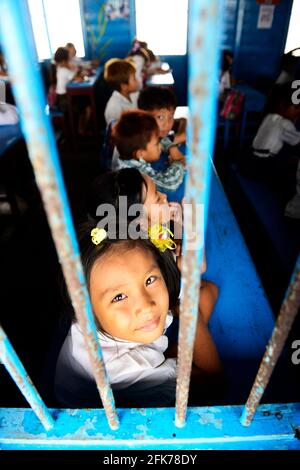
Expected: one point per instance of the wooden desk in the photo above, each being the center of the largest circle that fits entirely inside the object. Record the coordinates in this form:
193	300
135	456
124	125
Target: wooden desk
86	88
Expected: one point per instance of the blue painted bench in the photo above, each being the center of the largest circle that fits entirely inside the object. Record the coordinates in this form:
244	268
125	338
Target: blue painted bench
284	237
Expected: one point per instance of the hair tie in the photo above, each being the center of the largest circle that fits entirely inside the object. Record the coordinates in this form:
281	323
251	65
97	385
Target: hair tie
98	235
159	236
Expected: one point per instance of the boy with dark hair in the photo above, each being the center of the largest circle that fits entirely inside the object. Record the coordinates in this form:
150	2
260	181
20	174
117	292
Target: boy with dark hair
161	103
136	136
120	75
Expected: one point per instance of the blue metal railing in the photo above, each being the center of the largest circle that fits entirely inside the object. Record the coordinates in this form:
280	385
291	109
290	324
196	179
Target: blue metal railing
17	40
204	49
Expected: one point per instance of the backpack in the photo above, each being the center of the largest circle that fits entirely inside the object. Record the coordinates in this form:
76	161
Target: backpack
233	105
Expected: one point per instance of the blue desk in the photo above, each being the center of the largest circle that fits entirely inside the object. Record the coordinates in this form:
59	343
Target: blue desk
8	136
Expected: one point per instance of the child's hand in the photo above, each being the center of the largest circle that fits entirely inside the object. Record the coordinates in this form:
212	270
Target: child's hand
180	138
176	156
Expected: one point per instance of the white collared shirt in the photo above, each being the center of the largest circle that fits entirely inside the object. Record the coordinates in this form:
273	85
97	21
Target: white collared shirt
126	362
273	132
63	77
117	104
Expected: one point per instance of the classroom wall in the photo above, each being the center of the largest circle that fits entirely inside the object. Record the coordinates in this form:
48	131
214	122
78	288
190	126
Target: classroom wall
257	51
119	33
115	35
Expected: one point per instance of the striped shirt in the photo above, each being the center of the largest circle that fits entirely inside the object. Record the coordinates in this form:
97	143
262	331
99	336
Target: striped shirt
169	179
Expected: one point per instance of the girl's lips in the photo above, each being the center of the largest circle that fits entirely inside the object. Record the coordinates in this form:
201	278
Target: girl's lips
150	326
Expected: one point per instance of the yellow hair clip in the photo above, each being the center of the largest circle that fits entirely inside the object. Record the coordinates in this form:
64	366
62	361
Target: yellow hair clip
98	235
159	236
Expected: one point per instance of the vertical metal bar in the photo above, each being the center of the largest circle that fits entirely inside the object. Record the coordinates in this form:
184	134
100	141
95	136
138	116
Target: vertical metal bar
280	333
204	37
15	367
16	38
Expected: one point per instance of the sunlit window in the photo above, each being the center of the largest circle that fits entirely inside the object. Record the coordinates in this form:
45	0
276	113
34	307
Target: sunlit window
293	38
55	24
163	25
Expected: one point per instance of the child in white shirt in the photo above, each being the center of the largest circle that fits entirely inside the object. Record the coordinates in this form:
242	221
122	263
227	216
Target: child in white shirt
132	284
120	75
65	72
273	147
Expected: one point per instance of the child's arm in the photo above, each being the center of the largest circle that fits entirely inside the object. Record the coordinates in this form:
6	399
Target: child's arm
205	354
176	156
180	130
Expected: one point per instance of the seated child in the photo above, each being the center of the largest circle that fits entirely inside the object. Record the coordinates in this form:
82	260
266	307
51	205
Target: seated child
274	144
120	75
136	136
226	79
132	285
66	72
161	103
139	189
74	60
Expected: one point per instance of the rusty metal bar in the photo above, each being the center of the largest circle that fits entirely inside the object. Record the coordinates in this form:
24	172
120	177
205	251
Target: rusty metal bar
17	39
15	367
204	39
276	343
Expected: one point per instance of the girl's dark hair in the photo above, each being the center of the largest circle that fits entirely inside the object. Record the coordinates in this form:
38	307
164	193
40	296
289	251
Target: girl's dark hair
90	253
107	188
61	54
226	64
156	97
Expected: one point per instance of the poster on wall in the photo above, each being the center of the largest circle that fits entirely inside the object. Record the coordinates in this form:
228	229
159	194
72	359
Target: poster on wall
116	9
265	16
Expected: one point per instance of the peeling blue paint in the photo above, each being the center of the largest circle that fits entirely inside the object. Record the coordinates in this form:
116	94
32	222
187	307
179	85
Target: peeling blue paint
206	428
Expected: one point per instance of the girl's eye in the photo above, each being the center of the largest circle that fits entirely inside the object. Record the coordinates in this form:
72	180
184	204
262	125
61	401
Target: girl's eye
150	280
119	297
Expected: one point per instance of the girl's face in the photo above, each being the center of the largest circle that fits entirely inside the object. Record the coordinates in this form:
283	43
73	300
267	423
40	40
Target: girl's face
165	120
129	295
155	203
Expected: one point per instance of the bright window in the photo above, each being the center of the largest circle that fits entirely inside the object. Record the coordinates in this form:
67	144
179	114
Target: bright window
293	38
55	24
163	25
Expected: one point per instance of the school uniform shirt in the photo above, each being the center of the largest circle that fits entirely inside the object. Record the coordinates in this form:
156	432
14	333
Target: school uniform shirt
274	131
117	104
8	114
126	362
63	77
224	82
167	180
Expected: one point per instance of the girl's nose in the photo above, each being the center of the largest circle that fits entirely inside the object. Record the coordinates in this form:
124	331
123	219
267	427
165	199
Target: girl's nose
144	305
